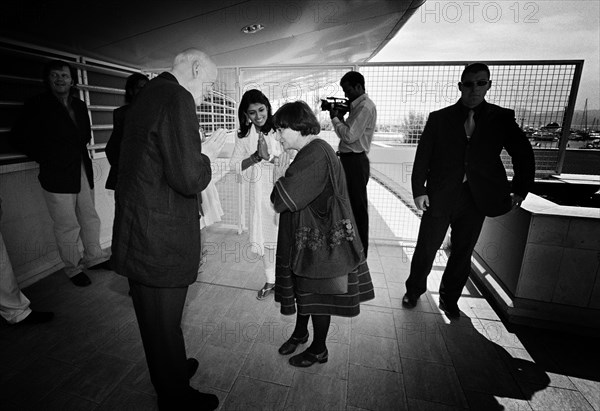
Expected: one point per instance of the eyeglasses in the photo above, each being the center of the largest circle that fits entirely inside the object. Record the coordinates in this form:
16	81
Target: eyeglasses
471	84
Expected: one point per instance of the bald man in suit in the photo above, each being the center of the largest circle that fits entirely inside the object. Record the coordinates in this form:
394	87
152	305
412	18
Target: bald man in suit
156	235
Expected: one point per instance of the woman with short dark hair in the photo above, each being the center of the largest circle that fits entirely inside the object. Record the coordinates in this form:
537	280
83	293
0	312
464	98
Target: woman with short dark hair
311	279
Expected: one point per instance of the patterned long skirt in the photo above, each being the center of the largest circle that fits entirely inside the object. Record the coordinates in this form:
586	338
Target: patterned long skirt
360	289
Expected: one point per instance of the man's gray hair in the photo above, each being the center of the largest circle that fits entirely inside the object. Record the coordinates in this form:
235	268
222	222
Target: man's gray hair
190	55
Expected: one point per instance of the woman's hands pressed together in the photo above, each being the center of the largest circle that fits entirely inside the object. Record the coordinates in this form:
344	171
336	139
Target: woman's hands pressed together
281	165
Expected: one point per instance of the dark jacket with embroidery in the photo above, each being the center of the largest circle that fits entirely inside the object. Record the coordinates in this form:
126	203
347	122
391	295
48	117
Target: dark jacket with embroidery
305	186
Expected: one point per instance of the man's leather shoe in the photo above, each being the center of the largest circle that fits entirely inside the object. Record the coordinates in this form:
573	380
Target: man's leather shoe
409	301
81	280
291	344
451	310
306	359
204	401
191	399
101	266
37	317
192	366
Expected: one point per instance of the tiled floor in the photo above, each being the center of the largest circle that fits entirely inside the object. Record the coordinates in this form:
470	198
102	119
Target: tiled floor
90	356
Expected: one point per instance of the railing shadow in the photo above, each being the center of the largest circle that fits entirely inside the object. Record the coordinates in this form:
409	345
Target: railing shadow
491	376
562	353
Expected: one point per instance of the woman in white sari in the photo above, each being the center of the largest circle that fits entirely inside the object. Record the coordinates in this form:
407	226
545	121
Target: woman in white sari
253	155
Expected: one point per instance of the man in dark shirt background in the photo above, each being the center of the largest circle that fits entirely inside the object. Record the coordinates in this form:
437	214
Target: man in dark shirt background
356	134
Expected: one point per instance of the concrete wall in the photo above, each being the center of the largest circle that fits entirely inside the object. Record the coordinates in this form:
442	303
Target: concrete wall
561	264
26	225
542	267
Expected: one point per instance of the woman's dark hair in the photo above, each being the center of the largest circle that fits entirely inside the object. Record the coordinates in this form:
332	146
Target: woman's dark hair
58	65
254	97
131	84
299	117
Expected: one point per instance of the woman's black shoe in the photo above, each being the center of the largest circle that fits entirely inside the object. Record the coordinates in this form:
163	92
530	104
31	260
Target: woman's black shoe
291	344
306	359
81	280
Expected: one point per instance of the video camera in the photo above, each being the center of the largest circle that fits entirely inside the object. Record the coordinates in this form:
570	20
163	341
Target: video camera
335	103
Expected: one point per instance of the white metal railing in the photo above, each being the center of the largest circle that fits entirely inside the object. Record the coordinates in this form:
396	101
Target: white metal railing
404	93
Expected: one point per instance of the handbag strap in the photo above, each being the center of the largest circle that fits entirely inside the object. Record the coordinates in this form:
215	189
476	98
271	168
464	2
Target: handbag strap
336	189
332	178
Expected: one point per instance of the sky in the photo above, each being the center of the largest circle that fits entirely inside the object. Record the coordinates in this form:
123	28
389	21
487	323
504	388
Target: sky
505	30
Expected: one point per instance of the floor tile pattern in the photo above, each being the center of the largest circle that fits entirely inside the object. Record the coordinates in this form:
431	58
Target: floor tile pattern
90	356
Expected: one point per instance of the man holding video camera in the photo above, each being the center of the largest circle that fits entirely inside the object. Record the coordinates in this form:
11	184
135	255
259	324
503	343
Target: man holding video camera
356	134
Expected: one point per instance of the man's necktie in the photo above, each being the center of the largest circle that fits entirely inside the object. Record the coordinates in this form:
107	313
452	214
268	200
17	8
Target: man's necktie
469	128
470	124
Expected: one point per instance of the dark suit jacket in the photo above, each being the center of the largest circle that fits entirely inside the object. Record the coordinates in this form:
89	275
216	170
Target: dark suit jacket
156	233
444	155
114	145
47	134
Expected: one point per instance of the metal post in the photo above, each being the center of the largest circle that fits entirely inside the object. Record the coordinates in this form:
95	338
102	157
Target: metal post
566	126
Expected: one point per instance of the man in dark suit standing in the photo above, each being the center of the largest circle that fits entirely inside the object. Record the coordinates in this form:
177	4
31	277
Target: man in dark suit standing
458	179
156	233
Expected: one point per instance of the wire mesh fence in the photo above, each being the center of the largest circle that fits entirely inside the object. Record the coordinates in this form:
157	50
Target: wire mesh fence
540	93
